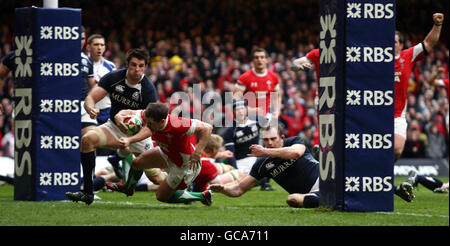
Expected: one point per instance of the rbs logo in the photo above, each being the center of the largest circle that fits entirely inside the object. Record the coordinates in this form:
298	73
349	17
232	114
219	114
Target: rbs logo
59	69
65	178
370	10
60	32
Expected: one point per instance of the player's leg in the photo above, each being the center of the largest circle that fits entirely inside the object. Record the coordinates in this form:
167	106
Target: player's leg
166	193
228	177
400	127
149	159
297	200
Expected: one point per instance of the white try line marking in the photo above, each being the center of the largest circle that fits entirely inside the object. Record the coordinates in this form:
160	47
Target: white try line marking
413	214
234	207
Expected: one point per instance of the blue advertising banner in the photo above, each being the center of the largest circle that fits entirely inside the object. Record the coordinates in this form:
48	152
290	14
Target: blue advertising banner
356	104
369	110
54	122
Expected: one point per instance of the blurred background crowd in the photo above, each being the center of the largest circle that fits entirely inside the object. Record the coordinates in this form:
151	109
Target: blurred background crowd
209	42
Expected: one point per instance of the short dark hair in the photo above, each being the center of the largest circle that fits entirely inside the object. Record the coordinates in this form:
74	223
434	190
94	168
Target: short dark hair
156	111
139	53
95	36
401	38
258	50
278	126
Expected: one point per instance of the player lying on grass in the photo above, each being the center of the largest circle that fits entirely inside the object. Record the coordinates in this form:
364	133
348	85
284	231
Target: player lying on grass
431	183
288	162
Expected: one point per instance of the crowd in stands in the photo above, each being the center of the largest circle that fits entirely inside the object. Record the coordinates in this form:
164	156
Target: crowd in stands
208	43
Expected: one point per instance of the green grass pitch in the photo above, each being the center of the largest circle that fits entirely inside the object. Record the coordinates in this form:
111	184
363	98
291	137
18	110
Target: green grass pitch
255	208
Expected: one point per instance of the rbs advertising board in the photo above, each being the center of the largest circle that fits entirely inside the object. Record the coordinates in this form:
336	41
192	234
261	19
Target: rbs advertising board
47	107
356	104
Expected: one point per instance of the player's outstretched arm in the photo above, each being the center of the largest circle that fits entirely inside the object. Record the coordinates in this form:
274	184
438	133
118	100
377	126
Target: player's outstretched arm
301	63
290	152
204	132
235	189
433	36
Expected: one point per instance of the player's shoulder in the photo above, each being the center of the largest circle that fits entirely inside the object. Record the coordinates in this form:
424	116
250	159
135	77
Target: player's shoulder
115	76
109	64
246	75
147	84
293	140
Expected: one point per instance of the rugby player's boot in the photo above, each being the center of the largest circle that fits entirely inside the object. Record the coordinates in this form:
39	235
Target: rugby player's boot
120	187
405	191
412	178
207	194
80	196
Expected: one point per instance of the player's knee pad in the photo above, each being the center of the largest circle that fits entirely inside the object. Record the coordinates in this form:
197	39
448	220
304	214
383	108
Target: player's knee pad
311	201
99	133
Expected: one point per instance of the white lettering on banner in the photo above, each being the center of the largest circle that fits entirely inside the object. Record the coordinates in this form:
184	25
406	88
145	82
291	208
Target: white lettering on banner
327	53
59	69
369	184
327	127
22	131
58	178
368	141
370	54
60	142
59	106
372	98
59	32
371	11
23	43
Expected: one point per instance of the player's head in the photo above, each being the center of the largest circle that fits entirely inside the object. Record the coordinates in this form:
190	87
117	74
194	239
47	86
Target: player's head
399	42
240	109
259	58
137	61
272	136
213	146
96	46
156	116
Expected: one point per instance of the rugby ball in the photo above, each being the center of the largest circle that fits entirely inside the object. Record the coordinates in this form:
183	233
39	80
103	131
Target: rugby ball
133	124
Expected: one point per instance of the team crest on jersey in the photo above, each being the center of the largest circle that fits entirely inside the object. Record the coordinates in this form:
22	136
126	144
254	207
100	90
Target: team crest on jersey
270	165
147	147
269	84
120	88
135	96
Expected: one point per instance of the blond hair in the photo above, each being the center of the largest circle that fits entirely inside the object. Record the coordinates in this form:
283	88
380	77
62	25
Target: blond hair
214	143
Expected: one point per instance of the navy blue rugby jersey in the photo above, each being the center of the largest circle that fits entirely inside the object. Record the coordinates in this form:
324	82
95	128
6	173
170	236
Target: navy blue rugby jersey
294	175
124	95
239	137
87	71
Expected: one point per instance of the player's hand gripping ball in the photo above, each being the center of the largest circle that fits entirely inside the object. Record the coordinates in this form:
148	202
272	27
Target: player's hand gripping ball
133	125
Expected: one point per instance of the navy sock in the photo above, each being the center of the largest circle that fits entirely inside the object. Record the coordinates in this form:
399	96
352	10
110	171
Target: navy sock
99	182
115	159
429	182
88	164
141	187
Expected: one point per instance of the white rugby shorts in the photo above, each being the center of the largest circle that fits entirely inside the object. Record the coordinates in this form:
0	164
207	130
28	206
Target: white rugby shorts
177	174
137	147
400	126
